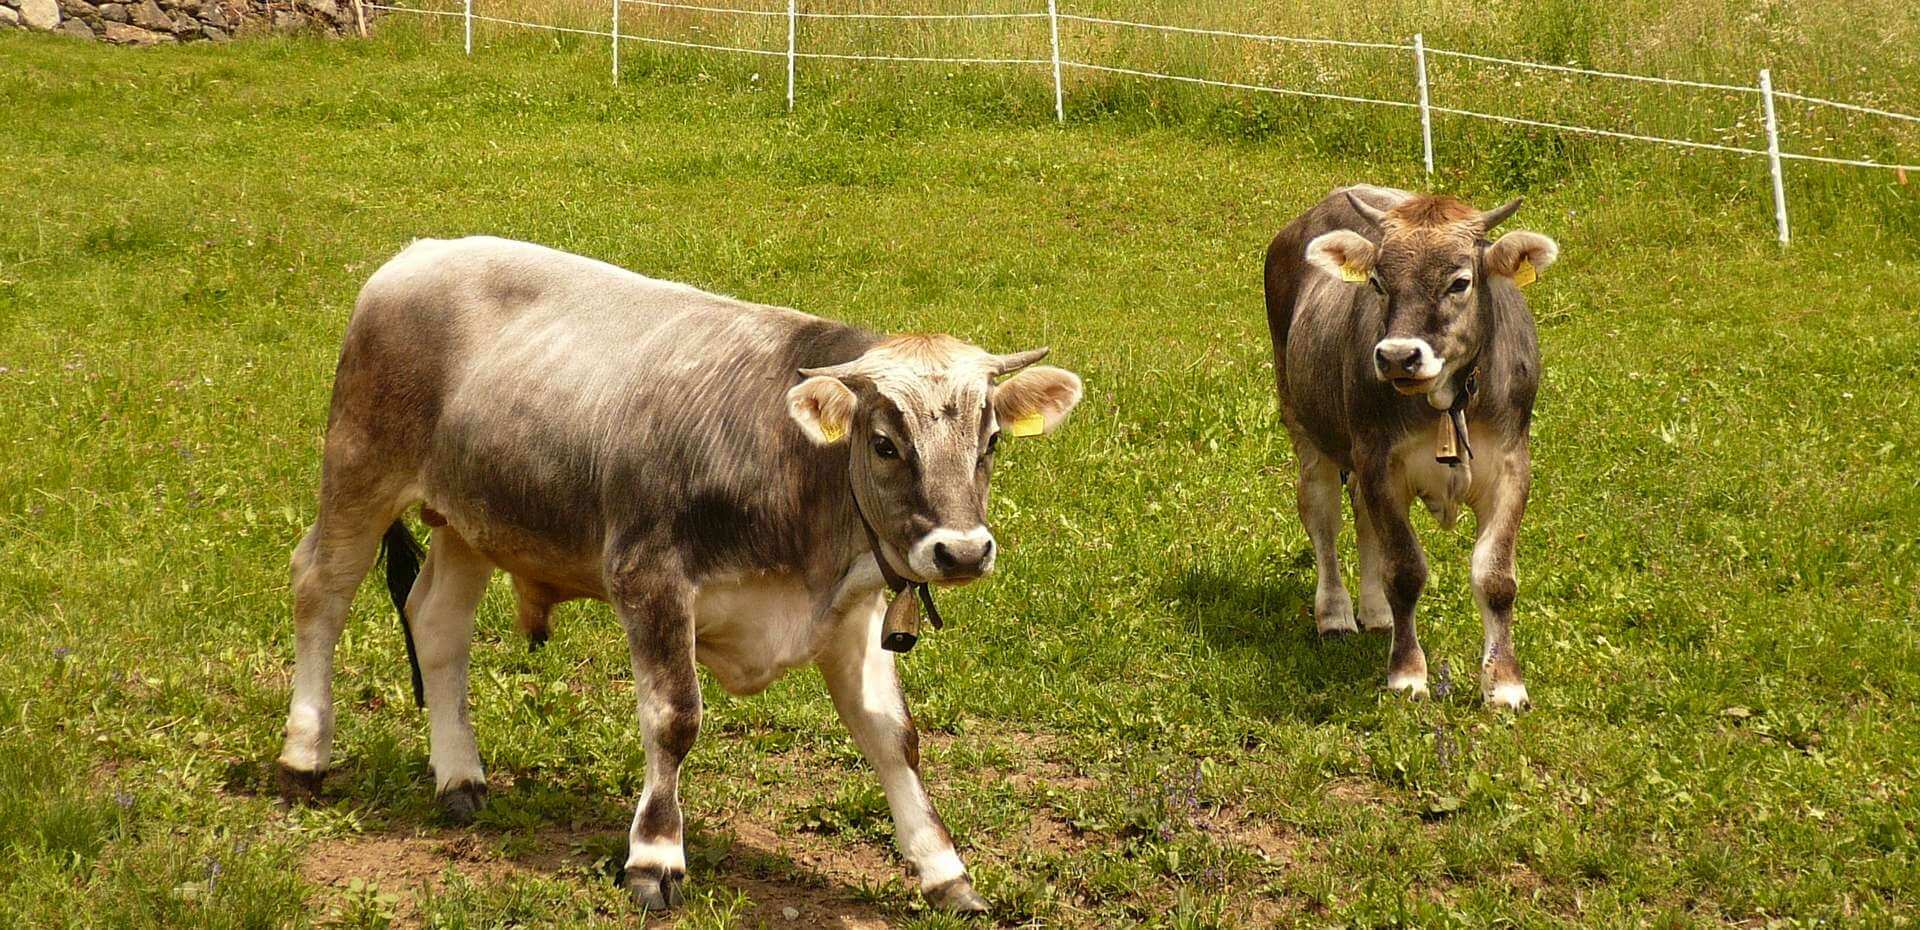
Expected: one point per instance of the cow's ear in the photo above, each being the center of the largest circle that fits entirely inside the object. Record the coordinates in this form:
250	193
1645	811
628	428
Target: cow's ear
1343	253
823	407
1521	256
1037	400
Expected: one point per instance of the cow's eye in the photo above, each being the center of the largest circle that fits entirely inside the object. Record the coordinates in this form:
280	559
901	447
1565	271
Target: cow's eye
1459	285
993	442
1378	288
884	448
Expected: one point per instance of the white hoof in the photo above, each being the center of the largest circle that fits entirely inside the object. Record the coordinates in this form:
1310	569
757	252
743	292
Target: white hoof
1511	695
1413	687
451	769
1333	615
309	742
1375	618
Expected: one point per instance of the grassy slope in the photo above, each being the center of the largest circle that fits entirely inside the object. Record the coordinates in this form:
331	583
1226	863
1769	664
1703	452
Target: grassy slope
1133	721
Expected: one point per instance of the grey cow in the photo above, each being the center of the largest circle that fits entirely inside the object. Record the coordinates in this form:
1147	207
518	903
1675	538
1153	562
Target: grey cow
725	474
1406	362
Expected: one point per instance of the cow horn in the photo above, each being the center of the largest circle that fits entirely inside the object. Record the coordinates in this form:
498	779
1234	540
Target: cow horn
1007	364
1374	215
1498	215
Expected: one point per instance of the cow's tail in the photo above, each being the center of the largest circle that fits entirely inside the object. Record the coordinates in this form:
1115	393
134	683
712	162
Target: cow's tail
404	556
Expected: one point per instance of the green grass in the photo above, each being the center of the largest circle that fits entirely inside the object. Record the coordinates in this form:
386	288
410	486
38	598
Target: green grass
1132	723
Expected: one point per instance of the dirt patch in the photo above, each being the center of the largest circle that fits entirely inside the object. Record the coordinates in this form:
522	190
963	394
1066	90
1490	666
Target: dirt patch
1042	774
1049	832
805	875
403	866
1356	791
1259	836
813	852
775	901
797	875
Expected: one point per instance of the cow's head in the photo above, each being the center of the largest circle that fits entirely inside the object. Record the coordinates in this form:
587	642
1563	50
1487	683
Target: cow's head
1423	267
922	416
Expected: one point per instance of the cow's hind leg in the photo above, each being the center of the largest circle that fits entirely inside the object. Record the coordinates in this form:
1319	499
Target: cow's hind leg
533	610
1319	502
1494	583
327	567
1405	570
440	612
657	613
1374	612
866	691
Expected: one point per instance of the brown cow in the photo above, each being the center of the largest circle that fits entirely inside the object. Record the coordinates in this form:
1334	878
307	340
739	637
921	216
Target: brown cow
1406	360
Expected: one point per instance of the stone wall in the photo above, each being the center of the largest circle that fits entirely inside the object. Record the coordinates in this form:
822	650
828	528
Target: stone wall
152	22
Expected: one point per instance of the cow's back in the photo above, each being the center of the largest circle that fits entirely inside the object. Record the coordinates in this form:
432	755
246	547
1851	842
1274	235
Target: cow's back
550	400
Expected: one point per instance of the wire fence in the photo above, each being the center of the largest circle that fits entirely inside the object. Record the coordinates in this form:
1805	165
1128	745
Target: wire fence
1060	61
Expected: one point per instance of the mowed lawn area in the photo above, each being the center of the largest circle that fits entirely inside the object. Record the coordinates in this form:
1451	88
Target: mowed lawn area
1133	722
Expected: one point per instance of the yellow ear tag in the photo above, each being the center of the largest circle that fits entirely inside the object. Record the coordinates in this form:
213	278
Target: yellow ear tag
833	431
1032	424
1524	275
1353	274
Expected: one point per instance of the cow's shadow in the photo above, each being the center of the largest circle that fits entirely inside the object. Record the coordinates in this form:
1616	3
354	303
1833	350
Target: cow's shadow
736	867
784	890
1264	615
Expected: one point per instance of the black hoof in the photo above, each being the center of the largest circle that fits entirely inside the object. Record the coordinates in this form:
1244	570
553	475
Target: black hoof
536	640
461	802
1327	636
956	897
656	889
297	787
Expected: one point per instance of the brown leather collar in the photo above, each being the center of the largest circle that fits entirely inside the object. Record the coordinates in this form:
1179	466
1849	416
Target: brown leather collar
1454	447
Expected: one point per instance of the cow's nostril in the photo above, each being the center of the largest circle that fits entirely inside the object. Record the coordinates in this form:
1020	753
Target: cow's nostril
986	552
1380	359
942	556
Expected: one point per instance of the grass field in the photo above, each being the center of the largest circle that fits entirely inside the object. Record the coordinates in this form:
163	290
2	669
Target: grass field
1132	722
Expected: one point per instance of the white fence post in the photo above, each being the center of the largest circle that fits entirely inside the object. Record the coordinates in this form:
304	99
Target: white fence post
616	42
1059	97
468	17
1773	156
1426	112
793	32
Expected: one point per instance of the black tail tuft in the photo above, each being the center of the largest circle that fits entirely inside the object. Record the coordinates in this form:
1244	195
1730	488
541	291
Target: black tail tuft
404	555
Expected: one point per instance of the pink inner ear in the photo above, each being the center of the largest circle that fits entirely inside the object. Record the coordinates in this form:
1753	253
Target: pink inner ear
1338	251
1042	391
1509	252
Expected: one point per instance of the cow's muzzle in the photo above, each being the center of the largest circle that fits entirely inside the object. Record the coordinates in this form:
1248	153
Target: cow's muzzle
953	556
1410	365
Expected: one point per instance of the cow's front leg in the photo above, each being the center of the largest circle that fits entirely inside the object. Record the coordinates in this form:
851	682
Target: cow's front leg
1318	498
1374	612
860	675
657	613
1404	567
1494	586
